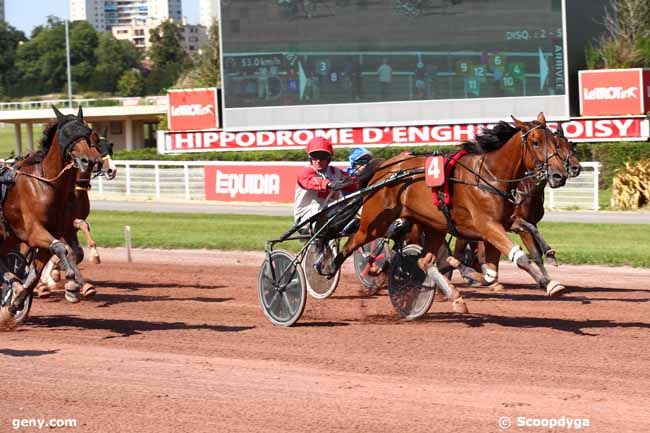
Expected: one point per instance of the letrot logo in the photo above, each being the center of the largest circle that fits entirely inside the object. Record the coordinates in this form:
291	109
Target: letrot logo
238	183
609	93
192	110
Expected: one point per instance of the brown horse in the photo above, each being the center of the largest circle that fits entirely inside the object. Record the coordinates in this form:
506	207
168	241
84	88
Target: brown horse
482	200
35	205
528	213
77	212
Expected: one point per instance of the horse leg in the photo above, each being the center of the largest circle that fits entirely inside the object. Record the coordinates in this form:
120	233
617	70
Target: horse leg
433	240
498	237
540	242
87	289
489	257
47	281
82	225
471	276
534	251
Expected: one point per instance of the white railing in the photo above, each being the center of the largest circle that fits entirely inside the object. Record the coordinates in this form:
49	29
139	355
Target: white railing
184	180
83	102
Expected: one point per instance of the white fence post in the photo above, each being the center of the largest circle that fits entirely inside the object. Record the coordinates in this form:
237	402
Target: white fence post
156	172
186	172
101	184
551	198
596	179
127	169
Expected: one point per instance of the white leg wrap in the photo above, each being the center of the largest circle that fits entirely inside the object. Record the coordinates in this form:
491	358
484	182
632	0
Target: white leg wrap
489	275
515	253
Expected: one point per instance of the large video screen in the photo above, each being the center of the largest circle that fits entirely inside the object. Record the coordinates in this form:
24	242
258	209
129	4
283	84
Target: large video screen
313	52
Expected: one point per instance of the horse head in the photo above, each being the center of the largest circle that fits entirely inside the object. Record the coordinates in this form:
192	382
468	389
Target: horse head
105	148
73	138
568	152
540	154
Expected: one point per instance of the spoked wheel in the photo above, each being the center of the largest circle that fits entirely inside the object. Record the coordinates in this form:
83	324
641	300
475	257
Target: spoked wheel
281	289
319	286
16	264
409	298
373	281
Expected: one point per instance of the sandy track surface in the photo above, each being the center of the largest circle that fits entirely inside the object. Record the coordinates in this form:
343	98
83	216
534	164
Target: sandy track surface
176	342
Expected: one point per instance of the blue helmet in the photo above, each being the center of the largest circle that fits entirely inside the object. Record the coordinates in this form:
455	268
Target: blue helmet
357	157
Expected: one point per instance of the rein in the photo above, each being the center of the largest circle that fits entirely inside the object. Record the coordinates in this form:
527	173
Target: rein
43	179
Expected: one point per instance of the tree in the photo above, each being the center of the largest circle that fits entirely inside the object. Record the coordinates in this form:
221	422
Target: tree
114	58
10	38
83	42
626	42
131	83
167	55
206	70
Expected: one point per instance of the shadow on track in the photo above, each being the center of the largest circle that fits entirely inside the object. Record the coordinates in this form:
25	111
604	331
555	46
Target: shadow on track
24	353
125	328
577	327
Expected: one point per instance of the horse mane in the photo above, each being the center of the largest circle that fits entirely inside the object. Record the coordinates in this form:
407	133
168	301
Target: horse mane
490	138
37	156
369	170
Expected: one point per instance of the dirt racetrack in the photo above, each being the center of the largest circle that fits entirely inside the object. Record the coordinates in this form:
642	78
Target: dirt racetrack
176	342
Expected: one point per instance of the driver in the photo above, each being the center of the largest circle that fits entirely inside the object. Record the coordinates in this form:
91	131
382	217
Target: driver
320	183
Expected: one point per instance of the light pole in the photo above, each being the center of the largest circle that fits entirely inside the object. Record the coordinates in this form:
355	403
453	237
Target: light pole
67	64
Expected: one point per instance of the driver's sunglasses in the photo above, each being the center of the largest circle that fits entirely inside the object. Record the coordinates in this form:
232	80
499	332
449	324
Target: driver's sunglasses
320	156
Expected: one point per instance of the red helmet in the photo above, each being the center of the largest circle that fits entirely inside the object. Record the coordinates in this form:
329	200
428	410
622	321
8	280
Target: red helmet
320	144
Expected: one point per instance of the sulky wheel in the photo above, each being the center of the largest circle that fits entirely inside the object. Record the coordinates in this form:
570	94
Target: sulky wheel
281	289
319	286
409	298
16	264
372	279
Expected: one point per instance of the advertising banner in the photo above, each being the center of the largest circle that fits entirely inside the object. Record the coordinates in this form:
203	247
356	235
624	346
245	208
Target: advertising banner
612	92
579	130
193	109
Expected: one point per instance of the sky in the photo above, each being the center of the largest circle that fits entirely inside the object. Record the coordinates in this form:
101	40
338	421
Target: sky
26	14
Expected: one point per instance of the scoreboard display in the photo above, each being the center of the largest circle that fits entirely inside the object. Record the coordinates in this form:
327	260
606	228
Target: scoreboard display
282	53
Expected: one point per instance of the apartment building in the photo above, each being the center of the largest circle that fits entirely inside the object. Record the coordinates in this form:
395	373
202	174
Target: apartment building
103	15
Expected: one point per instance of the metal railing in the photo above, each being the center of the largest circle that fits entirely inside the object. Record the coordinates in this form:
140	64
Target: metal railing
85	102
184	180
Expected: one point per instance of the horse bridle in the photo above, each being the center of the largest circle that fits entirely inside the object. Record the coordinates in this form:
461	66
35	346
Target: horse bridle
540	172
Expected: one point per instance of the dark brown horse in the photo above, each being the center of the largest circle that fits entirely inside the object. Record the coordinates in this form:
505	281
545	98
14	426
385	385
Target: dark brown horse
34	207
482	201
77	213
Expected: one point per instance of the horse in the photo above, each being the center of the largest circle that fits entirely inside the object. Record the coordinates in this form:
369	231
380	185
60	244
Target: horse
528	213
481	204
77	213
34	207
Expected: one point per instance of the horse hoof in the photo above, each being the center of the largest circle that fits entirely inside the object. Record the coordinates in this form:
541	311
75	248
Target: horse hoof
553	288
88	290
496	287
42	291
72	297
459	306
453	262
7	320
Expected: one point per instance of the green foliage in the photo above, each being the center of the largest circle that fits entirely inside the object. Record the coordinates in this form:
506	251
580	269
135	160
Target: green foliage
131	83
10	39
114	58
612	156
270	155
168	57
